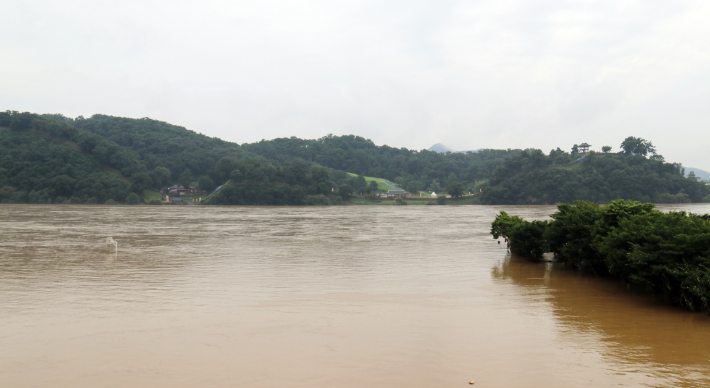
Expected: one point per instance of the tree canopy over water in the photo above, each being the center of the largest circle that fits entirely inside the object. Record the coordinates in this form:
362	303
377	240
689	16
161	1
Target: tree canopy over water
665	253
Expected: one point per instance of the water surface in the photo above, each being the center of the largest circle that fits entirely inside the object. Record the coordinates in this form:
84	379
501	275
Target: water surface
416	296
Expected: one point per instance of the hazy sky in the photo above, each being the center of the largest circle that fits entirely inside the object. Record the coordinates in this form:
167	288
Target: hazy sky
468	74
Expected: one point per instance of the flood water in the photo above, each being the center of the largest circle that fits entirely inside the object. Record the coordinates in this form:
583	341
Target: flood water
414	296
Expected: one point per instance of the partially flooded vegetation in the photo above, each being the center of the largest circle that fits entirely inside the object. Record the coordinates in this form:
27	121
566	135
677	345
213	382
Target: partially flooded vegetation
665	253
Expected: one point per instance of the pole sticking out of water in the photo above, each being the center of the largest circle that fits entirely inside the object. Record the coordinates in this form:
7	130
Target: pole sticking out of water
110	241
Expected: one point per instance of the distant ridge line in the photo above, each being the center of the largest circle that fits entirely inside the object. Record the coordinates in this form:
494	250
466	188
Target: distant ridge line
438	147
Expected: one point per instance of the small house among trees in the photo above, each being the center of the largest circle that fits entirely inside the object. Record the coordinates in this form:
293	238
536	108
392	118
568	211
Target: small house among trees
179	189
584	148
176	189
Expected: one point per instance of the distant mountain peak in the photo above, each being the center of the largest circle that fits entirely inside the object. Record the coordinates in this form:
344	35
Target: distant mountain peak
698	173
438	147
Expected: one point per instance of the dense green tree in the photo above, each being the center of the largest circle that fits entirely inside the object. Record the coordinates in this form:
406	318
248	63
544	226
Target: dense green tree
361	156
257	182
161	177
524	239
205	183
141	181
20	121
413	186
186	178
236	175
62	185
637	146
666	253
133	199
360	183
160	144
372	187
317	200
345	190
455	189
533	178
434	186
40	161
321	180
226	165
606	149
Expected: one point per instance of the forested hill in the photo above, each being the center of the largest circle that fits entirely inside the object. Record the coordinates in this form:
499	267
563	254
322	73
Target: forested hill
54	159
535	178
45	159
149	154
160	144
410	169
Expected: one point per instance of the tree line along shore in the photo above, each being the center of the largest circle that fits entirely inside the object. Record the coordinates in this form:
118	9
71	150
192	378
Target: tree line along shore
50	158
667	254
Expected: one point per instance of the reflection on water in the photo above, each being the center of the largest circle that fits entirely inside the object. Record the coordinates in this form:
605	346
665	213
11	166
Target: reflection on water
630	329
316	297
111	258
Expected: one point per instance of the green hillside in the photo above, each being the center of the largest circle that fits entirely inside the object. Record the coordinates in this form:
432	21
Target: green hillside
381	185
185	155
411	170
43	160
52	158
159	144
535	178
169	154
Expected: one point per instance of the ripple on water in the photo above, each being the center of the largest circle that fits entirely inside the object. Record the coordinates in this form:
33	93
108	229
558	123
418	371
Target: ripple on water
333	296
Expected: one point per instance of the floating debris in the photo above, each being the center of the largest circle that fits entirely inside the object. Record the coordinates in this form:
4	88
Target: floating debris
110	241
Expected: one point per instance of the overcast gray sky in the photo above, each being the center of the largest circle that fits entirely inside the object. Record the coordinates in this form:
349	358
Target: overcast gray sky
468	74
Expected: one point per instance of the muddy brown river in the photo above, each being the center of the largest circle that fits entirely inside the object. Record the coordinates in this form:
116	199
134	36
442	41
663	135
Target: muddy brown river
415	296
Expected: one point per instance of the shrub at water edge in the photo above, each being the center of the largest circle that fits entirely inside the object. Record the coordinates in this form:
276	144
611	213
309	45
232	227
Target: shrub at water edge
665	253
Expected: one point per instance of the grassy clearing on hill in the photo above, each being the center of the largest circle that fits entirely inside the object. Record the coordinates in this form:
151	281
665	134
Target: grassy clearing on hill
380	182
150	194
